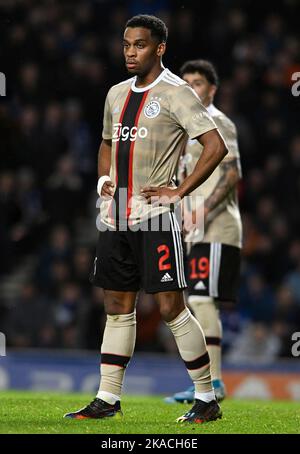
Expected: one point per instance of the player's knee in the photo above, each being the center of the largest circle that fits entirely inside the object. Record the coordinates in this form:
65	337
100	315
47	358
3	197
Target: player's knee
117	305
114	308
170	306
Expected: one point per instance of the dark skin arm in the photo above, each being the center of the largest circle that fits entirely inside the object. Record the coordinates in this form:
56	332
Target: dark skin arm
104	162
214	150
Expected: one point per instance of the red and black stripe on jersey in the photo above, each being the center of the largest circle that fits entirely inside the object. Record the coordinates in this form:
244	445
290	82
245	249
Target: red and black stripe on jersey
124	151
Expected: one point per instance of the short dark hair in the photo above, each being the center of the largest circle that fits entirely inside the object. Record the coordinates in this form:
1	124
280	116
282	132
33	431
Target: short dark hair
157	27
203	67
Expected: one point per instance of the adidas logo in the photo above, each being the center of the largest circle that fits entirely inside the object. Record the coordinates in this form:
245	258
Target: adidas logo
166	278
200	286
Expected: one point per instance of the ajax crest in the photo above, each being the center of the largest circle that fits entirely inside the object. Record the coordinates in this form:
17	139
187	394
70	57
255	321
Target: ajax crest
152	109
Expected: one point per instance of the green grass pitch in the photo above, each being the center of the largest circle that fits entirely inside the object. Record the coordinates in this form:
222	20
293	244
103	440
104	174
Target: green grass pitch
41	413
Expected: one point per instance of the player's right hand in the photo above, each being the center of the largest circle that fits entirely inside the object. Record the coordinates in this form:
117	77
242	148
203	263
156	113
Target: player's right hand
108	189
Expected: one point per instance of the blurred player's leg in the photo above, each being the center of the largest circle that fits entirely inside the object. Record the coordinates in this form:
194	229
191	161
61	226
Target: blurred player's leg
207	313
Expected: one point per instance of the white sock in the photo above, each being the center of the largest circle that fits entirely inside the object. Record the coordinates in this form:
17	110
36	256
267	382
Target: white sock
205	397
192	348
116	350
108	397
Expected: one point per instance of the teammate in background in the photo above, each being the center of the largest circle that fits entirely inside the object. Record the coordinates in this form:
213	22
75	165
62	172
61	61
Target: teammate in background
146	125
213	261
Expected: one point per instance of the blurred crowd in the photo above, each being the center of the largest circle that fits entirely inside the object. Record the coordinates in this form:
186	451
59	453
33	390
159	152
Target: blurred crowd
60	58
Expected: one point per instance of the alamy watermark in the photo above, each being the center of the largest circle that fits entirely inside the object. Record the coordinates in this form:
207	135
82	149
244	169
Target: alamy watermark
296	345
2	84
296	85
135	213
2	344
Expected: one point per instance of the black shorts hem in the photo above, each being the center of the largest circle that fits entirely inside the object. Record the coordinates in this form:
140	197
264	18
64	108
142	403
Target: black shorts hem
160	290
226	299
115	288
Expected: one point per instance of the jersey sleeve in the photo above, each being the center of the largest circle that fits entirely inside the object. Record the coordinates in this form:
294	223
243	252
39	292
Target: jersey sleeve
189	113
107	119
229	133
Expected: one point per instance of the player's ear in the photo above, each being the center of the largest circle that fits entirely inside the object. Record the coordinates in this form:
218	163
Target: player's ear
161	49
212	91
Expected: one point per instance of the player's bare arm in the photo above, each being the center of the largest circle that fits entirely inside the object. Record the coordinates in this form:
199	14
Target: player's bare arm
214	150
104	161
216	202
229	177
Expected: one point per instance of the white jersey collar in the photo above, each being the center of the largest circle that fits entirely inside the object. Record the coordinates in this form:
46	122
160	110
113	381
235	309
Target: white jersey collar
155	82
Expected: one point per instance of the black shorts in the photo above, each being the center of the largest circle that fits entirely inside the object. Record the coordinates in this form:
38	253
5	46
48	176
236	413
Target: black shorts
147	259
213	269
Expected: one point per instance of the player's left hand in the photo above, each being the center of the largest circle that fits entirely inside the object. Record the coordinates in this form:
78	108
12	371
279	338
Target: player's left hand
160	195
